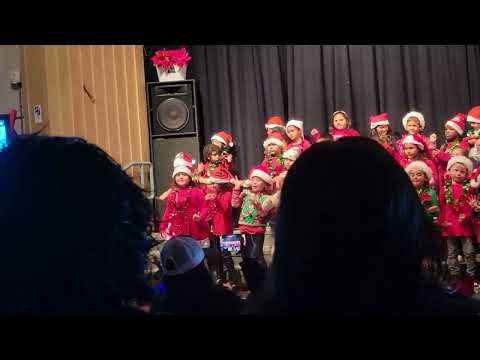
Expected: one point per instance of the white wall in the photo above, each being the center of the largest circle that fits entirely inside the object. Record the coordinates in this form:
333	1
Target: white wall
9	98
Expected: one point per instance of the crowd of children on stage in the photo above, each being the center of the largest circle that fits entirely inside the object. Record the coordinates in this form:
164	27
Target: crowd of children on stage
201	199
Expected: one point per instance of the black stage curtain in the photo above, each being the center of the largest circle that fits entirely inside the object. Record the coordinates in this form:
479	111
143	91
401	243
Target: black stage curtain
241	85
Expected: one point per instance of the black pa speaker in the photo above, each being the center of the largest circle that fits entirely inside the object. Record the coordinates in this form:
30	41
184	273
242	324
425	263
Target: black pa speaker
173	127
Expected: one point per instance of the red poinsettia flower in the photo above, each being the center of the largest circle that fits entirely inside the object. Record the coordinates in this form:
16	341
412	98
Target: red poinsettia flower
165	59
180	57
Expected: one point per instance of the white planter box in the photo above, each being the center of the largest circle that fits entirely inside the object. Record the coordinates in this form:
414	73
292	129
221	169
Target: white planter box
179	74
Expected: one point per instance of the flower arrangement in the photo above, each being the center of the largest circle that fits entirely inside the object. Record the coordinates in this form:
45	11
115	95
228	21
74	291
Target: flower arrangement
167	59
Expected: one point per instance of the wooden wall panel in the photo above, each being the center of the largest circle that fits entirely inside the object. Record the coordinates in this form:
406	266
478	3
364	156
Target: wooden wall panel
89	106
54	77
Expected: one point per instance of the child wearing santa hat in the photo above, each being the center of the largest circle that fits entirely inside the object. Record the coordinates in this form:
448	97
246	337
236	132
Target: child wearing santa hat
274	147
381	132
275	124
420	175
225	142
475	203
218	213
341	125
295	134
454	129
213	159
473	118
181	159
414	148
456	216
413	123
289	158
185	202
256	205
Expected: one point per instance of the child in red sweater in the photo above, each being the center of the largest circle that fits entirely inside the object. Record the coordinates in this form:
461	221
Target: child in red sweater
456	216
218	213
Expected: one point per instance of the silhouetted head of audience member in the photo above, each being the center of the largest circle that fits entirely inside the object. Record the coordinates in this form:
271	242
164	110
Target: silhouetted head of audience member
73	229
352	237
190	288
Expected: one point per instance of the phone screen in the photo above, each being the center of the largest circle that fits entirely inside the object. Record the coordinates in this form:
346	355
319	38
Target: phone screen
231	242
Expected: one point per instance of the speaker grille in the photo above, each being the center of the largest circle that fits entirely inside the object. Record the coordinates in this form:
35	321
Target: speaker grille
173	114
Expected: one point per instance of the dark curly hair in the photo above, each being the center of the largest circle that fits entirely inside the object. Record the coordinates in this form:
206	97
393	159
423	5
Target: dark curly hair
73	228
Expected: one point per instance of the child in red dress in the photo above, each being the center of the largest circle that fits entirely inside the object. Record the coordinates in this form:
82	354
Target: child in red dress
295	134
413	123
454	129
185	202
341	125
274	146
414	149
381	132
225	142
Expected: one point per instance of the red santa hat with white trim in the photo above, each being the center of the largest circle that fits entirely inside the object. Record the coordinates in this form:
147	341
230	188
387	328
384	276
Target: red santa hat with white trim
274	121
475	178
224	137
261	172
277	139
415	139
183	159
292	154
182	169
378	120
416	115
460	159
457	122
473	115
421	166
297	123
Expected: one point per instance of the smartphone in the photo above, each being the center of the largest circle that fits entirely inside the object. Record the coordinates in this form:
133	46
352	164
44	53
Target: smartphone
231	242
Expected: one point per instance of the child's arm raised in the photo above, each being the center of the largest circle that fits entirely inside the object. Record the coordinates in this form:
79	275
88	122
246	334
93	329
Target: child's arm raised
164	195
237	193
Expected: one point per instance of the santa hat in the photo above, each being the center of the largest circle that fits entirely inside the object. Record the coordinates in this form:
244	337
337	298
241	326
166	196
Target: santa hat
182	169
183	159
297	123
474	115
415	139
275	138
420	165
414	114
460	160
224	137
292	154
261	172
273	122
475	178
378	120
457	122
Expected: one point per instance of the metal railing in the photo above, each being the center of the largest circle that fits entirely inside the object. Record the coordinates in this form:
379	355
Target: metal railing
142	165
